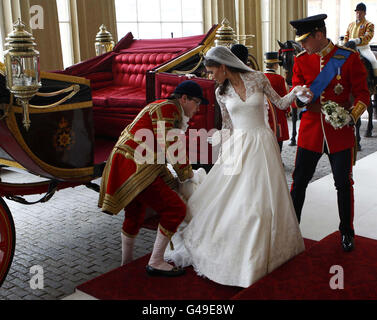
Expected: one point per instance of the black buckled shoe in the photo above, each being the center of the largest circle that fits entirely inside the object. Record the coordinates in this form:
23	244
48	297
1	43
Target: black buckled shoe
347	242
175	272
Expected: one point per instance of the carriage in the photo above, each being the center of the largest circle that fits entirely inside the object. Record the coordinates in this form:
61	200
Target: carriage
78	113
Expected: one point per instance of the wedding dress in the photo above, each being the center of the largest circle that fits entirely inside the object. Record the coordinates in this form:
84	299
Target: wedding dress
241	222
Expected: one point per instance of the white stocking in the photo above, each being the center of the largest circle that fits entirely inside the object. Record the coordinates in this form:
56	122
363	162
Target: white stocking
157	258
127	248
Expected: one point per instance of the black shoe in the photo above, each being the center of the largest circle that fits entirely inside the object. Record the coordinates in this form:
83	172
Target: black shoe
175	272
347	243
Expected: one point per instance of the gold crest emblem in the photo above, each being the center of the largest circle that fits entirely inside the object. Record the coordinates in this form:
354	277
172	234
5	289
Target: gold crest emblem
64	137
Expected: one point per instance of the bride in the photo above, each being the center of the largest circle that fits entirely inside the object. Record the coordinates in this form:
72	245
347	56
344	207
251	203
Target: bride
240	222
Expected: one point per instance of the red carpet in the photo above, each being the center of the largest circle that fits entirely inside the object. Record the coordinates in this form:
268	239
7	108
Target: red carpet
131	282
306	276
309	243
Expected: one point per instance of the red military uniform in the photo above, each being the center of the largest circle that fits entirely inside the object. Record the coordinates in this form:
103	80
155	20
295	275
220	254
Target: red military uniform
279	85
348	80
314	130
128	183
316	136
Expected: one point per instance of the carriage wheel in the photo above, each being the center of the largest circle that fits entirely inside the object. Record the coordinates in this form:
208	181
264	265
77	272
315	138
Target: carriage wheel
7	240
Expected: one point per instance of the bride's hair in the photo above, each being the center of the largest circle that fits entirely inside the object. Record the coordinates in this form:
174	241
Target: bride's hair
213	63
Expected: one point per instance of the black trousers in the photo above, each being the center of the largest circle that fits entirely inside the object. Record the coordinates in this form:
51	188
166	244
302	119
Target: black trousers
341	166
280	143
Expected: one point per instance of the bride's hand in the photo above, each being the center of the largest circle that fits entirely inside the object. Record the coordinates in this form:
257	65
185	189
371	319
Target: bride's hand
303	94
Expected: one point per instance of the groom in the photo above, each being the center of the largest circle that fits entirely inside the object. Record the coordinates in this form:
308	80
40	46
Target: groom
332	73
127	183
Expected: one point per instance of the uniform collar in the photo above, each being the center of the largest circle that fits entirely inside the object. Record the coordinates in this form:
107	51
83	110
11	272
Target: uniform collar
361	21
326	50
180	107
270	71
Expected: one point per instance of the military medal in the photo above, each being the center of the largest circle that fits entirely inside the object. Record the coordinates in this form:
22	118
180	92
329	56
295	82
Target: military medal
338	89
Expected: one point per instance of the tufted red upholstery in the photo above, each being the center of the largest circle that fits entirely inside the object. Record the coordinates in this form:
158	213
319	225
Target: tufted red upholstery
119	95
129	69
125	85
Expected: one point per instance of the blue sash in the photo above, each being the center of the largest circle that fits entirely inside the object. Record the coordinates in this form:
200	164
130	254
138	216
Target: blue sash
329	72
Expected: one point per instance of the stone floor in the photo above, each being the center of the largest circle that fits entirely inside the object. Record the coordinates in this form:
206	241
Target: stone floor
73	241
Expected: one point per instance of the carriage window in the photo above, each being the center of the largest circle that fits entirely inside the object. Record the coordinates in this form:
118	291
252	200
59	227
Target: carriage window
345	13
159	19
65	31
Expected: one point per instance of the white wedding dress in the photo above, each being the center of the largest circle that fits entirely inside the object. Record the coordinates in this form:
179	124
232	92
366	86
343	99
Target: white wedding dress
241	223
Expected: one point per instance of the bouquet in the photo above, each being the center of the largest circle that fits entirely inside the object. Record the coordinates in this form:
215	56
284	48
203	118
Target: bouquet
335	114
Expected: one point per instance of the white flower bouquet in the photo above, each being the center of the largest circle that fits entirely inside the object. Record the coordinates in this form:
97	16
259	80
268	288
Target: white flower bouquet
335	114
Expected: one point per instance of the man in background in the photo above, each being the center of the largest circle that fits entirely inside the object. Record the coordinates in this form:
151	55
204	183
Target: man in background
361	33
280	86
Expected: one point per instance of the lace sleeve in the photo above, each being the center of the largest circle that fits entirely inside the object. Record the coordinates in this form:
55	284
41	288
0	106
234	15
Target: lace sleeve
282	103
227	124
226	120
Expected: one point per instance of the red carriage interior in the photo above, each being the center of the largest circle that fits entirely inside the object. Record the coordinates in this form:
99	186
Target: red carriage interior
121	85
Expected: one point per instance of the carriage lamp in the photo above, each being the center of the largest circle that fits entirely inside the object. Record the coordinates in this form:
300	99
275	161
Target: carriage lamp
225	35
104	41
22	67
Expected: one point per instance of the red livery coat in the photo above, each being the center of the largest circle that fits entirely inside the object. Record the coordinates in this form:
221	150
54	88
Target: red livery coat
279	85
314	131
124	176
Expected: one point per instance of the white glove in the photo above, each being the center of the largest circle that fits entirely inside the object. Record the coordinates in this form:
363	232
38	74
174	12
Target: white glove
303	94
187	188
356	40
198	176
349	121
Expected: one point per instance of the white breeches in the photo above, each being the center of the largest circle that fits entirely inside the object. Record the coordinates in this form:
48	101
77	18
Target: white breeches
366	52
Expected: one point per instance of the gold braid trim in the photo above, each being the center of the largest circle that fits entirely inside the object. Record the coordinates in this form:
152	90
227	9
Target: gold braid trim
358	110
129	235
74	87
135	184
167	233
52	105
193	69
2	69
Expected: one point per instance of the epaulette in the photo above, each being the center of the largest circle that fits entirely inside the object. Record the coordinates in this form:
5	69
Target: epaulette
301	53
345	48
